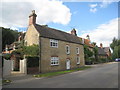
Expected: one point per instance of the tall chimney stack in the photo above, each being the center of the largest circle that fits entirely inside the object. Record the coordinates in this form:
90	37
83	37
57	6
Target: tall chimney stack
73	32
32	18
101	45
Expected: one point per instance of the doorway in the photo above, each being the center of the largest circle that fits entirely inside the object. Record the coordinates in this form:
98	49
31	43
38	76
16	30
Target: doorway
68	64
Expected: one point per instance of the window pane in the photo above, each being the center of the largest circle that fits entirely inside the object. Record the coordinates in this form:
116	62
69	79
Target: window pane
54	60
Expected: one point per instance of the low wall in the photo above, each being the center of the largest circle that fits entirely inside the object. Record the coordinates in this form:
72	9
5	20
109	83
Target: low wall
7	67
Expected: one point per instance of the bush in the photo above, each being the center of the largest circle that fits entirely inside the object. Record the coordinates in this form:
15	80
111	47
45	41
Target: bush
102	60
7	56
32	50
18	52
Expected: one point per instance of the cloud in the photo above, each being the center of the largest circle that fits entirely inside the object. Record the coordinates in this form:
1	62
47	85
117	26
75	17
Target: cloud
17	13
101	4
93	10
104	33
93	7
105	3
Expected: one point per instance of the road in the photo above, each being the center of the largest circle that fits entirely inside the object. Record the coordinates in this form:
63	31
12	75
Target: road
100	76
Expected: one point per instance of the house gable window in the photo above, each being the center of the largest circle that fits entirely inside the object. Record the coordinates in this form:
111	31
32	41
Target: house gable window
54	43
54	61
67	49
77	50
78	60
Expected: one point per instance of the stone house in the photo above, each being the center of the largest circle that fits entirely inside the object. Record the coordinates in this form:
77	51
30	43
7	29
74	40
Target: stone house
58	50
104	52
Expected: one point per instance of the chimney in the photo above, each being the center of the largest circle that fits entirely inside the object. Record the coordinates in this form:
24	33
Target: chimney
6	48
32	18
73	32
101	45
88	37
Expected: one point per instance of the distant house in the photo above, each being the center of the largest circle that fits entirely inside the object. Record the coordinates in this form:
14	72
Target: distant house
101	53
104	52
86	41
58	50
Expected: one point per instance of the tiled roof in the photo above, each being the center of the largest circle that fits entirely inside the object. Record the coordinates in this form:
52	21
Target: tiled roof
47	32
106	49
101	51
87	42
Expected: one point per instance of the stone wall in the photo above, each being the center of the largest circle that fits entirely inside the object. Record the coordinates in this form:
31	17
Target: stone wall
32	36
47	52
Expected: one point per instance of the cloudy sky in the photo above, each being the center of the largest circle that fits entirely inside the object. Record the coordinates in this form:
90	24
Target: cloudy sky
98	19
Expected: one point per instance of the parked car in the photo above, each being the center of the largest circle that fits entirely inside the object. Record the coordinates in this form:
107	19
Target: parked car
117	59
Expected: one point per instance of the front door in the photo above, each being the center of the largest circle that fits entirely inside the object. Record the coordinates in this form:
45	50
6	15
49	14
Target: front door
68	64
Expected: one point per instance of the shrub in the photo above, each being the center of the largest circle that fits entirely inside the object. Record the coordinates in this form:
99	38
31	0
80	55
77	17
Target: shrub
18	52
7	56
102	60
32	50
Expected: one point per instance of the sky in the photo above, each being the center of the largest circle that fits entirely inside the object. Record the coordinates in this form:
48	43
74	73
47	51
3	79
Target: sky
99	20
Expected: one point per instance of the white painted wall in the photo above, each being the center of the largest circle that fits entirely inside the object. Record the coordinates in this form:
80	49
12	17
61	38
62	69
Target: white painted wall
23	66
7	67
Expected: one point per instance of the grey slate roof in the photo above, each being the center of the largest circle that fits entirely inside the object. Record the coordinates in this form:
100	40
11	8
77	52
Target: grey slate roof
56	34
106	49
101	51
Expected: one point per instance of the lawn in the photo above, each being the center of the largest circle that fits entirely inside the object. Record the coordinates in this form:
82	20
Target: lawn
61	72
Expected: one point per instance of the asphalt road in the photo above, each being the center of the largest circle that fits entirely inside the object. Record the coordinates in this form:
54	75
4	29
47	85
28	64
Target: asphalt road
100	76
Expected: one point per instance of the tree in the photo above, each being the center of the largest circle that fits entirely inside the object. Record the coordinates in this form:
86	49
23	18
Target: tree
8	36
115	46
32	50
87	52
114	43
95	50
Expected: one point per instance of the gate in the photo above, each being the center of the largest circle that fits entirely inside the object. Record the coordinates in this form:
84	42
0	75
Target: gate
23	66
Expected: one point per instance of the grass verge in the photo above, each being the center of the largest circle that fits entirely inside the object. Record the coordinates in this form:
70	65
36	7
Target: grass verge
5	81
61	72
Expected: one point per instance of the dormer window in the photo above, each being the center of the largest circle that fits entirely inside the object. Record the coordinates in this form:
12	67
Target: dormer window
54	43
67	49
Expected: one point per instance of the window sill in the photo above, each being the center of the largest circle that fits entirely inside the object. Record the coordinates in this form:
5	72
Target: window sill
54	65
68	53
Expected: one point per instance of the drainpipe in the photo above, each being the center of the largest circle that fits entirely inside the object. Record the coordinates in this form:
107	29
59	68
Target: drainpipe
39	54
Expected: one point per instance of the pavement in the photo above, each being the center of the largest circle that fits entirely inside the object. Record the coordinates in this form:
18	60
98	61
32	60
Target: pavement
100	76
16	77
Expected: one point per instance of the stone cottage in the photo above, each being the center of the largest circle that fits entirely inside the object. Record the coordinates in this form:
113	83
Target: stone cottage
104	52
58	50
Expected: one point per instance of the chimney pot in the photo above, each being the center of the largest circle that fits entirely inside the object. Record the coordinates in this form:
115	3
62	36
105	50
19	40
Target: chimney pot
101	45
32	18
73	32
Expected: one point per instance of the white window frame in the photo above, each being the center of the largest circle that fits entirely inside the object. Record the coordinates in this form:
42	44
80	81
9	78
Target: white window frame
78	60
67	48
54	61
77	50
54	43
